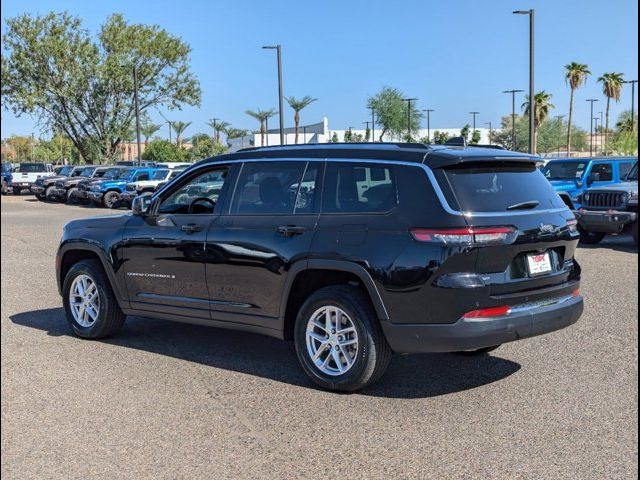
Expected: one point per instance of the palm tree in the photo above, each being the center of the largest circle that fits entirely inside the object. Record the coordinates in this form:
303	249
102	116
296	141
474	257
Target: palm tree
298	105
147	130
179	128
221	126
611	86
575	74
262	116
543	107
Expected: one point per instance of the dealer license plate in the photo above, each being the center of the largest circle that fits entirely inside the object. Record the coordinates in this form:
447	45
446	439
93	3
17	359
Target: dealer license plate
539	263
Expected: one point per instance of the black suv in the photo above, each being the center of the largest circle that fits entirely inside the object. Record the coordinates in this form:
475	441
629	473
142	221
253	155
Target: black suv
610	210
353	251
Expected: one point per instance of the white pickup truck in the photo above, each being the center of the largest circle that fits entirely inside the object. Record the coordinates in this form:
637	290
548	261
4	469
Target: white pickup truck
25	176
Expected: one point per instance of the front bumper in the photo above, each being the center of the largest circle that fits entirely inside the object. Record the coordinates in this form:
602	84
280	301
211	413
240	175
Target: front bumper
474	333
95	196
605	222
22	185
38	190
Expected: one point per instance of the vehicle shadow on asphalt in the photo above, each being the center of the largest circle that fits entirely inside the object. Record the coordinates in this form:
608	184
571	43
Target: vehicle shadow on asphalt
408	376
618	243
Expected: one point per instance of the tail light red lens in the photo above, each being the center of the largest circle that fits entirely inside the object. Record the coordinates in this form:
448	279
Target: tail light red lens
466	235
488	312
576	292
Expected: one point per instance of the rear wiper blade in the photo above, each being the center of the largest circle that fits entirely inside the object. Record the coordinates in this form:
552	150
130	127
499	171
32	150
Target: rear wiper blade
524	205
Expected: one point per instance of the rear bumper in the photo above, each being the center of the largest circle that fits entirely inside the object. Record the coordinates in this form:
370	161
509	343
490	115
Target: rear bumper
605	222
475	333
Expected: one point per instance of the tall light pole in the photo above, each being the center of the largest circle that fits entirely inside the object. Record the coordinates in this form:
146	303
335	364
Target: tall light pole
513	116
595	129
367	124
532	102
278	49
428	110
490	131
135	100
591	100
409	100
633	103
474	120
373	123
304	134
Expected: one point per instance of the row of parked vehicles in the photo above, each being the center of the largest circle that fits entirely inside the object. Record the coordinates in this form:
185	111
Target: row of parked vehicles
602	192
110	186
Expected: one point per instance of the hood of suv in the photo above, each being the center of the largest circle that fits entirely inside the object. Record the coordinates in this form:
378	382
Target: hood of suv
619	187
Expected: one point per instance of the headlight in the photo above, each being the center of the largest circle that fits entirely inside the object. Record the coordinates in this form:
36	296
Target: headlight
633	195
586	197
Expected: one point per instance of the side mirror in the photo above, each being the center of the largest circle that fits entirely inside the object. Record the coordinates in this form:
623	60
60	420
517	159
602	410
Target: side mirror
594	177
140	205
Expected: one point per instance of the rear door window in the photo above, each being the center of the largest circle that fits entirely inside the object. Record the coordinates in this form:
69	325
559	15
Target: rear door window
625	168
602	172
496	187
359	188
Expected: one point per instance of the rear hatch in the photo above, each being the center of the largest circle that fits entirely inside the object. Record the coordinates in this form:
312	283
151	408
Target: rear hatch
535	249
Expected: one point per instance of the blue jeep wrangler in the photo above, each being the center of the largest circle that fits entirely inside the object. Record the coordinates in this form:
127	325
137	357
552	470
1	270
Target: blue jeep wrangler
571	177
6	177
107	192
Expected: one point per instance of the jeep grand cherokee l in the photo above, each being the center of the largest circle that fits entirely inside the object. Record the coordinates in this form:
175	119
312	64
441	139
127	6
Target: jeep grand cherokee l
352	251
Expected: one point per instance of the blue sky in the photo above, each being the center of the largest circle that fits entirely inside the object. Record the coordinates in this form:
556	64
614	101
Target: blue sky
455	56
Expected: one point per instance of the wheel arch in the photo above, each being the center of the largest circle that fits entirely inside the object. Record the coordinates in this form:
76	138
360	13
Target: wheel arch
305	277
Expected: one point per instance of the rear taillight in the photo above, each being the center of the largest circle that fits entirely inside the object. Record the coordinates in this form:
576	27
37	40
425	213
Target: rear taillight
466	235
488	312
572	225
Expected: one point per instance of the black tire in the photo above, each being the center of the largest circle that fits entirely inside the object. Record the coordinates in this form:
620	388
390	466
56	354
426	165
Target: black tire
373	352
110	199
110	318
4	188
48	193
16	190
478	352
591	238
634	232
71	199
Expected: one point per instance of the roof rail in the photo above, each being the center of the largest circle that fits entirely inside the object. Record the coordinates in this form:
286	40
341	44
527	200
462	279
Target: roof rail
416	145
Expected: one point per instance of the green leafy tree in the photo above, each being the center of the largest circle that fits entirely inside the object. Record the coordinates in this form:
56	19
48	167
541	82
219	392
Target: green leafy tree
475	137
147	130
367	135
297	105
22	145
54	70
440	138
392	113
262	116
624	143
543	109
204	147
465	131
219	126
611	87
576	75
178	129
334	138
625	123
164	151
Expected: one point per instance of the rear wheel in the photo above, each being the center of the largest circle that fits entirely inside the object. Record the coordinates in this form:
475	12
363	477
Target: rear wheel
338	339
110	199
591	238
71	196
92	309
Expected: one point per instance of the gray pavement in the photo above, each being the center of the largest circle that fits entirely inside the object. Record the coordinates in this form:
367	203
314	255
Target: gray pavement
165	400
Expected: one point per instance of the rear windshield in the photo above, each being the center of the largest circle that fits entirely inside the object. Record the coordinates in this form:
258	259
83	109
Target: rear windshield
498	188
31	167
564	170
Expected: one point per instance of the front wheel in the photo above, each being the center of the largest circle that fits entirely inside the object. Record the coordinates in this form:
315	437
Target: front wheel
92	309
110	199
591	238
17	191
71	196
338	339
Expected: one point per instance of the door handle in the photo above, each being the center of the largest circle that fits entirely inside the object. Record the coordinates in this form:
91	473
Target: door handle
191	228
291	230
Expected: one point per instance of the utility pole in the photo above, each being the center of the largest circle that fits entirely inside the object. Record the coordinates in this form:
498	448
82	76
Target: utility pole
595	129
591	100
490	131
278	49
135	99
513	116
532	100
367	124
474	120
409	100
373	124
633	103
428	110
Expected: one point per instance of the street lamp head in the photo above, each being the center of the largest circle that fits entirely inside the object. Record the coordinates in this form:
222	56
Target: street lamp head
522	12
270	47
512	91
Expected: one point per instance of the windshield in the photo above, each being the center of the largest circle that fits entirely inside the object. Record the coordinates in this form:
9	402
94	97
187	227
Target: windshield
564	170
498	188
86	172
65	171
633	174
113	173
31	167
159	174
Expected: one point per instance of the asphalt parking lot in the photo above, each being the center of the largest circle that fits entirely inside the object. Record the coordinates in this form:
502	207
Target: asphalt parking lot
165	400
